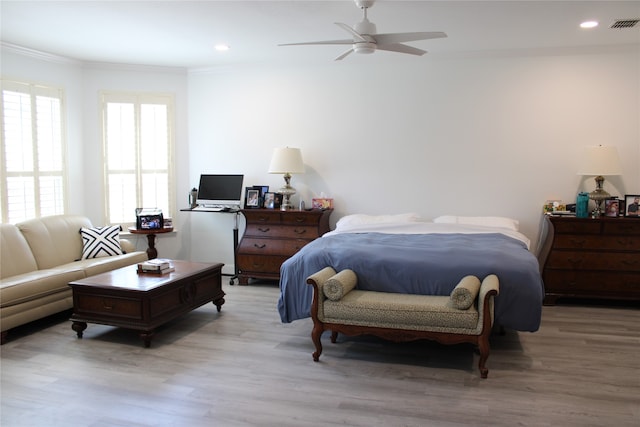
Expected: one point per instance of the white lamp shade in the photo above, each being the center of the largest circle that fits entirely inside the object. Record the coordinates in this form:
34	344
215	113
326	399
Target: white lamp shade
600	160
286	160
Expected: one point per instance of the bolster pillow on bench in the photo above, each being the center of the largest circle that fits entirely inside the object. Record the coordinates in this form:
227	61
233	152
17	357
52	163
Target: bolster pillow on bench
465	292
340	284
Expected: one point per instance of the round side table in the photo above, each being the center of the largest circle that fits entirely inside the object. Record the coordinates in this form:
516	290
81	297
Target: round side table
152	252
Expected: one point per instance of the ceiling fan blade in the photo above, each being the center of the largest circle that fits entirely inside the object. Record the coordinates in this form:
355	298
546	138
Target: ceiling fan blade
339	58
356	35
402	48
407	37
346	41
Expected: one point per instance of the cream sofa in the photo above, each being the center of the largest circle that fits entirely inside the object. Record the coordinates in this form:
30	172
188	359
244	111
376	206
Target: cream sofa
38	258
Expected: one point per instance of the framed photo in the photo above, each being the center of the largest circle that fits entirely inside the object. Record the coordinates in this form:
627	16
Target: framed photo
269	200
264	189
277	200
612	207
632	205
251	198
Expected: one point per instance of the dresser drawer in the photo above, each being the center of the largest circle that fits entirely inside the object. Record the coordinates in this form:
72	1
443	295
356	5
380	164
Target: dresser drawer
261	216
592	242
248	264
302	218
573	260
575	282
576	226
623	227
268	230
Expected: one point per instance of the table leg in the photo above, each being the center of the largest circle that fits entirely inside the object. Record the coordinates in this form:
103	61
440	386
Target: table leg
152	252
146	337
79	327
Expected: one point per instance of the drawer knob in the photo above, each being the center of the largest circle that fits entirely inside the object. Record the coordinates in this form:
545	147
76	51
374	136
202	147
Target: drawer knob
629	262
264	230
260	246
300	231
107	306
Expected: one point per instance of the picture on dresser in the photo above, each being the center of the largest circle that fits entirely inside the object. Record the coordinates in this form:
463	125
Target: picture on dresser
269	200
612	207
252	198
632	205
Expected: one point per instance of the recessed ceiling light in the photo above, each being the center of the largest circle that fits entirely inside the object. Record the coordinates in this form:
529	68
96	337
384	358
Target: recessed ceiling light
222	47
589	24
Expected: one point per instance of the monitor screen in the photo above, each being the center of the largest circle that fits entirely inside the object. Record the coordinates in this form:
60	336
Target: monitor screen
220	190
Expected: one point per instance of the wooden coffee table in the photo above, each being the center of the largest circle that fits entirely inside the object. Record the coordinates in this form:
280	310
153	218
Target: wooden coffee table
144	301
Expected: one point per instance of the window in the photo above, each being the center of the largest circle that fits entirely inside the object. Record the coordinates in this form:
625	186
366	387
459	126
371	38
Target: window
138	149
32	156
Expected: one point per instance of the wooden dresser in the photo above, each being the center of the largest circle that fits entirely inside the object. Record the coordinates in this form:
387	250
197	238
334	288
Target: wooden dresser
593	258
273	236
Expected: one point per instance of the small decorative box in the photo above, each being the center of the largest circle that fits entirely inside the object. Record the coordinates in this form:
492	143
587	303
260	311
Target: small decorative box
322	203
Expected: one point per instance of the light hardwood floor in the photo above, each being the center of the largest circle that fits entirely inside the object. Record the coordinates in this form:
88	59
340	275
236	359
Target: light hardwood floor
242	367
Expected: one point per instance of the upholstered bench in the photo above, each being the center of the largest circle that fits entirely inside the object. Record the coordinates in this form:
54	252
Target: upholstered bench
465	316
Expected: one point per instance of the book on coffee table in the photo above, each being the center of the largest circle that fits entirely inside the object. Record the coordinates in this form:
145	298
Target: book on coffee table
155	266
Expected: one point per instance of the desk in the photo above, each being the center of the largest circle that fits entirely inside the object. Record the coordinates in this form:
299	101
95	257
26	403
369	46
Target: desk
235	212
152	252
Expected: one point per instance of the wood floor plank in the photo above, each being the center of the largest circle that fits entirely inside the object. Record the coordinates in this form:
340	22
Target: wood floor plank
243	367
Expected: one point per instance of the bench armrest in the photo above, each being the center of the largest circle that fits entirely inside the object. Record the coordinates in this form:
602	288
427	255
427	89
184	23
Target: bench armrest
489	288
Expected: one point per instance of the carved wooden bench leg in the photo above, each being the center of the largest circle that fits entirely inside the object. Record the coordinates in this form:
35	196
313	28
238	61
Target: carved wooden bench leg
483	347
334	336
316	333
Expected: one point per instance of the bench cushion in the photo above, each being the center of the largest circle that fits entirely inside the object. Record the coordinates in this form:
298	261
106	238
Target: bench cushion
399	311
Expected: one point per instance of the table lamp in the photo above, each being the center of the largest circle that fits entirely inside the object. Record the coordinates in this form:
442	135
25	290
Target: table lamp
287	161
598	161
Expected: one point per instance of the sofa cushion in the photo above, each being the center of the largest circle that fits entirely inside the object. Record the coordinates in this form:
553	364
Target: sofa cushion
465	292
16	254
37	284
54	240
100	241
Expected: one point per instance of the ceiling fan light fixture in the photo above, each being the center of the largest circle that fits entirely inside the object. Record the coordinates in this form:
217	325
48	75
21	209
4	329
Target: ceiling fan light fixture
364	47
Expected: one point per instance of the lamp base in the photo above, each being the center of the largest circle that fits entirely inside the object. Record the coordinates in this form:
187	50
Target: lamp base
598	196
287	191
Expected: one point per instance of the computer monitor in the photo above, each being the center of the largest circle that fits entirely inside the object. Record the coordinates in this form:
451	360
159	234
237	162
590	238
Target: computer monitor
223	190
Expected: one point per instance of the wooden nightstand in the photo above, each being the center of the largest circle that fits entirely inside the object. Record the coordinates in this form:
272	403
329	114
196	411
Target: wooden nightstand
593	258
273	236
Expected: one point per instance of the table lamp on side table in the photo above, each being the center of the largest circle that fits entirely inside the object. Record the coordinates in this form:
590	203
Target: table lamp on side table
598	161
287	161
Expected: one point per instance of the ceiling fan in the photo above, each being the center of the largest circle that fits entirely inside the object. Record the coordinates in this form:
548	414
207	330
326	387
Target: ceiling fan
365	40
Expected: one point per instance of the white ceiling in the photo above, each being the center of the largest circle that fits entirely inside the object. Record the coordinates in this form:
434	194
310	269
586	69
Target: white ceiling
183	33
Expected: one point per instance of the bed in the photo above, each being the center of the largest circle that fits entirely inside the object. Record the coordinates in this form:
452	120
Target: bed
401	254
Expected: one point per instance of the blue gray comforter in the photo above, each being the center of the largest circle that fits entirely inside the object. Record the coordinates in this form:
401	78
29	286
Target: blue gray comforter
420	264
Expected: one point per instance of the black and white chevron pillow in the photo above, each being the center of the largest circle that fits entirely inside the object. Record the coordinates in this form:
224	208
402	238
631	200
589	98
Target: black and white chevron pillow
100	241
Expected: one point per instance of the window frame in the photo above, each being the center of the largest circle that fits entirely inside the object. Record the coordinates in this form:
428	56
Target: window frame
138	99
61	205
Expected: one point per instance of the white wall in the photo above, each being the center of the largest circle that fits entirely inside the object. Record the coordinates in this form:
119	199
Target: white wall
465	136
468	135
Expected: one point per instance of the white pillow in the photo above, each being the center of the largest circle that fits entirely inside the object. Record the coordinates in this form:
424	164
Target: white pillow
100	241
362	219
486	221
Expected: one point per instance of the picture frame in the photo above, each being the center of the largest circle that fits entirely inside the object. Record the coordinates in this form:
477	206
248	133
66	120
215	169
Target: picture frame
277	200
632	205
264	189
251	198
269	200
612	208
